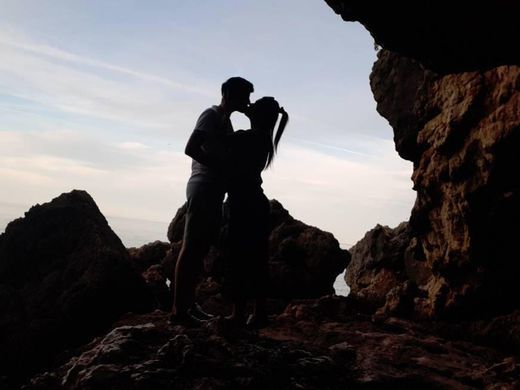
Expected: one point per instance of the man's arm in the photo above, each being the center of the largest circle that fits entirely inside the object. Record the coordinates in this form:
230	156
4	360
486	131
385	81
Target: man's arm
195	149
203	145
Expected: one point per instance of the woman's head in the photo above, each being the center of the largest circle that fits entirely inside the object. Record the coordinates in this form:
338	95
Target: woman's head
263	115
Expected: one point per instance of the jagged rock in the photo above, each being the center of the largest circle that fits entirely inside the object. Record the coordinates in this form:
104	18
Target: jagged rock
176	226
147	255
446	36
314	344
304	261
64	277
461	132
377	263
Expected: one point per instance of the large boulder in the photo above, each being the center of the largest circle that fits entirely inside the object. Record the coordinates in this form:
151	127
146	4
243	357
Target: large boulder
64	277
378	263
304	261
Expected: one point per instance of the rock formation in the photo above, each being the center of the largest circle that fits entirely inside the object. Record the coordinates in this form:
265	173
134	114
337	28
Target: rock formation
304	261
445	36
64	277
317	344
456	115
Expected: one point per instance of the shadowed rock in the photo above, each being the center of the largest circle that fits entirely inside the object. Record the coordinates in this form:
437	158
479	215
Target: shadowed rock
64	277
445	36
316	344
304	261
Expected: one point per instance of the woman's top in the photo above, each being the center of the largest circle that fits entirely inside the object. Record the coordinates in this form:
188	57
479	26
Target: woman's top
248	154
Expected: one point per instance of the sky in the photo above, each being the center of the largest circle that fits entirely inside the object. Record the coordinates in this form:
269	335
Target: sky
102	95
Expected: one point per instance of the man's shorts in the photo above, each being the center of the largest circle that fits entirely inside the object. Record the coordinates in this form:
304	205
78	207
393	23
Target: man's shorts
204	213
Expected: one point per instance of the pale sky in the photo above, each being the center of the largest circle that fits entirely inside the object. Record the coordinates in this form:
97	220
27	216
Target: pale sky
102	95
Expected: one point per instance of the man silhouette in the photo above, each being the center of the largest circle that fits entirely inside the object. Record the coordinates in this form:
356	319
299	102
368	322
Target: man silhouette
205	193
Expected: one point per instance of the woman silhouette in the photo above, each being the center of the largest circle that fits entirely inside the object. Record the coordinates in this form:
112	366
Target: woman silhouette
251	151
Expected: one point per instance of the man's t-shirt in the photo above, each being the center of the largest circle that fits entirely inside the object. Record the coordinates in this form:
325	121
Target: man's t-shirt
217	126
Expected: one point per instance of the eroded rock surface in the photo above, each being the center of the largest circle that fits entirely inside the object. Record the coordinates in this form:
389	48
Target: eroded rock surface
64	277
314	344
462	131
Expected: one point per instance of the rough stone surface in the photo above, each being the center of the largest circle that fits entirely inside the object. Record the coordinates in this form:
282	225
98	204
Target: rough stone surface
317	344
462	133
377	260
64	277
444	35
149	254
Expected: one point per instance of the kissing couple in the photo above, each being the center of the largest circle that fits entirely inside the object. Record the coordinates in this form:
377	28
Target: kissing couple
228	161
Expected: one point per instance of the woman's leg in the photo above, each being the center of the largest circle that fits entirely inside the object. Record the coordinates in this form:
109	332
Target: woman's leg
260	259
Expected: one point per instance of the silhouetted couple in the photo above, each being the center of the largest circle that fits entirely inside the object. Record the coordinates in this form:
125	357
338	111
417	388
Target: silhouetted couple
225	161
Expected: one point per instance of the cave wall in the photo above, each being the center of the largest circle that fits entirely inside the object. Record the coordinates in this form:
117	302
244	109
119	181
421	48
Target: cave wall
455	110
446	36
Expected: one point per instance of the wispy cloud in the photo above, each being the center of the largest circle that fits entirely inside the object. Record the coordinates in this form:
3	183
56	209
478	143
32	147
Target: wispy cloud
54	78
15	41
137	182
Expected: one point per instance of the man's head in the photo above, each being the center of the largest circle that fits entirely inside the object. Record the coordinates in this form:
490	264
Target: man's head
235	94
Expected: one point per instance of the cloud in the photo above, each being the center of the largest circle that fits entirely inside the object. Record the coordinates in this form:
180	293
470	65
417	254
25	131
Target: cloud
142	183
61	82
15	41
339	194
132	146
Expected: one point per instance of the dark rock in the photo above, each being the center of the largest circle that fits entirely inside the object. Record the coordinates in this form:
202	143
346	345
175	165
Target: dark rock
314	344
176	226
445	36
377	263
64	277
304	261
149	254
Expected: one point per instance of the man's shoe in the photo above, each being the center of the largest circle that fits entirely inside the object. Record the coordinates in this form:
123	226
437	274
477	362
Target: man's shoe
197	311
187	319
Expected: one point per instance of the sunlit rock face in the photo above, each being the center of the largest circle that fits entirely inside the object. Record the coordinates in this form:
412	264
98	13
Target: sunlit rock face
456	115
462	132
446	36
64	277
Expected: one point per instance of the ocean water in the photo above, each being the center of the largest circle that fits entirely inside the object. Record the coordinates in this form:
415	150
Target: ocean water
133	233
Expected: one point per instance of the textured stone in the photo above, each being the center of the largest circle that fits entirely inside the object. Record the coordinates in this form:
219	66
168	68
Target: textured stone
462	133
377	263
314	344
64	277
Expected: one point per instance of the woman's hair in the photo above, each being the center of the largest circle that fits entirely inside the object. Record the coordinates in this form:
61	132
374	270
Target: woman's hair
264	113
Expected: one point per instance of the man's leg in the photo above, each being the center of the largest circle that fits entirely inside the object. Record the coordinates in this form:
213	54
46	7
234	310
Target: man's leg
202	224
187	270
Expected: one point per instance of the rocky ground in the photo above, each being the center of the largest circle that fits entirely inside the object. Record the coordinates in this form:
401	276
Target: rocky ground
314	344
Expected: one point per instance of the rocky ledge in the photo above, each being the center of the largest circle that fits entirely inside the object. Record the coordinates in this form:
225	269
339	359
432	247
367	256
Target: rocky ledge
314	344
